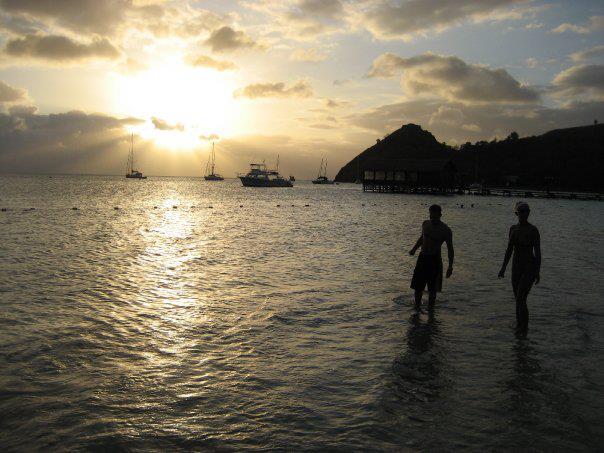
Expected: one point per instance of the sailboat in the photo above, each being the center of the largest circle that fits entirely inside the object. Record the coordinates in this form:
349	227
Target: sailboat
322	176
132	173
211	174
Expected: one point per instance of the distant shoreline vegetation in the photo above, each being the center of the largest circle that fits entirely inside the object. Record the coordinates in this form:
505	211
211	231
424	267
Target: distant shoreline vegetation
570	159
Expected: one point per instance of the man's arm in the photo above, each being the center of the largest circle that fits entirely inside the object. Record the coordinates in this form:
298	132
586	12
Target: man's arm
450	253
537	247
508	255
417	245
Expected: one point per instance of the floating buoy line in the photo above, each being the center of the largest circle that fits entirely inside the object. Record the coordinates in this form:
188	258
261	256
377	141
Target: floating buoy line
307	205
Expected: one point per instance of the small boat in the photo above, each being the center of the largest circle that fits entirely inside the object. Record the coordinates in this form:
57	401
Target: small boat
132	173
211	174
260	176
291	178
322	176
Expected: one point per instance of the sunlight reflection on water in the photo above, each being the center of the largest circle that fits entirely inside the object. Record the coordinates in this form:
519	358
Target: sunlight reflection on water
169	324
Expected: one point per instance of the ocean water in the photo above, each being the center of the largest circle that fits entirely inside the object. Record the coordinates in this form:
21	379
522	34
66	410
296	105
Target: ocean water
176	314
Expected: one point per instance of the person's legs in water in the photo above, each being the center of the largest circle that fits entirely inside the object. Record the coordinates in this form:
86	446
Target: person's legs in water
418	298
431	298
522	289
435	281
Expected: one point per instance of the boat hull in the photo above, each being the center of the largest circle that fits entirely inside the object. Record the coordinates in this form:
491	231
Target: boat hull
262	182
134	176
213	178
322	182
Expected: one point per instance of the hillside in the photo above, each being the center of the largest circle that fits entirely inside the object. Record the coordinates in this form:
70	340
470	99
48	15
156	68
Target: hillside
570	158
410	141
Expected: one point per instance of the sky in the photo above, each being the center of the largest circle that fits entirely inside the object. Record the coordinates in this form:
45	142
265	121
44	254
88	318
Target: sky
298	79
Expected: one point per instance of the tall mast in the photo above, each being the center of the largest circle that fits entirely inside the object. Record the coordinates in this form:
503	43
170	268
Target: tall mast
325	168
131	154
277	169
213	158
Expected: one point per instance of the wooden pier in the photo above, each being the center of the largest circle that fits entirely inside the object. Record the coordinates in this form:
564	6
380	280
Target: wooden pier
380	186
412	176
532	193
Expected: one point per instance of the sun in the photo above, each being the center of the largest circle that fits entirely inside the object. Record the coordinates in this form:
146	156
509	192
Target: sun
191	101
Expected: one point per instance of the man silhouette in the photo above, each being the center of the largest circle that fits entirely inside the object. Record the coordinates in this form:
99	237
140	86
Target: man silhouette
429	267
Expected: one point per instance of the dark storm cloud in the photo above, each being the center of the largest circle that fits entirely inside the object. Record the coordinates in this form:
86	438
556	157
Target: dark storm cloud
60	48
452	78
300	89
393	20
226	39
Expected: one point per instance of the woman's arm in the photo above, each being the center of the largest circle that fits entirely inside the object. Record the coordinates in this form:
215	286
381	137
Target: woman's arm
508	255
537	248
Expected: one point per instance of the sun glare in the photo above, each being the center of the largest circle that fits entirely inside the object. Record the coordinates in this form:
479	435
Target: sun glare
189	102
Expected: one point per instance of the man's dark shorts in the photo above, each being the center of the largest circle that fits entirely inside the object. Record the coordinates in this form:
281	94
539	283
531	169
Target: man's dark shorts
428	271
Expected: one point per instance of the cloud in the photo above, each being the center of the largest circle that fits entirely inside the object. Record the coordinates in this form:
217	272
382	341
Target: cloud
324	126
302	20
60	48
72	141
89	16
320	8
209	62
446	115
312	55
21	111
18	25
225	39
534	26
300	89
335	103
9	94
132	66
184	21
531	62
163	125
341	82
452	78
588	54
595	23
404	20
210	137
587	80
457	123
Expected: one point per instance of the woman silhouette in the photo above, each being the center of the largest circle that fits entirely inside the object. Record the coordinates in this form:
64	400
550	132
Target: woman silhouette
525	244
